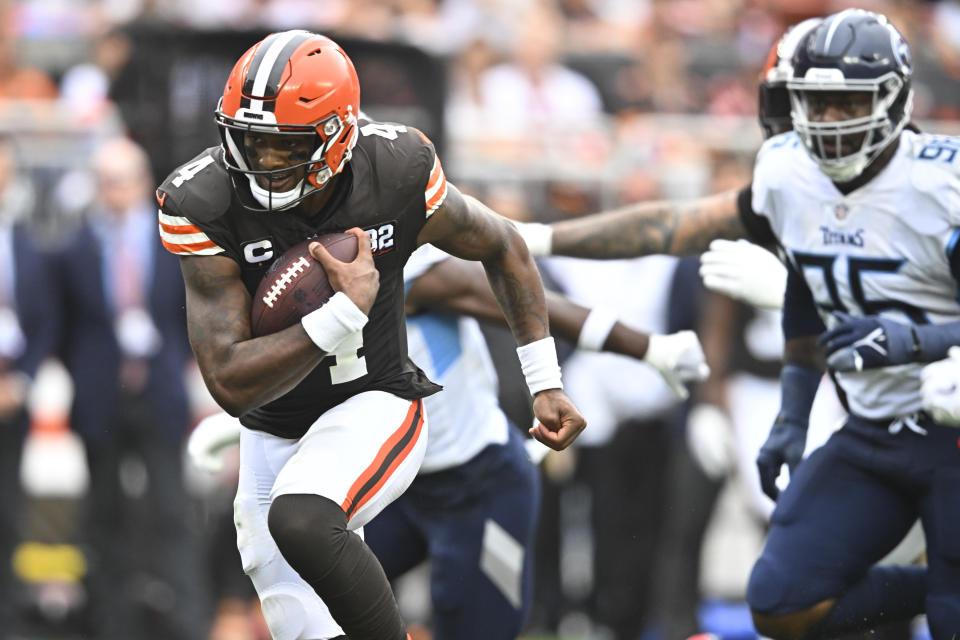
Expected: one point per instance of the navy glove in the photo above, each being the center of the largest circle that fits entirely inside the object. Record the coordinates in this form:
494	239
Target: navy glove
869	342
788	436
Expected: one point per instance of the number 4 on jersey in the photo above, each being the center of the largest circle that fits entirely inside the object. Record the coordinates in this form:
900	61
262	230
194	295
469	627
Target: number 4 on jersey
384	130
191	169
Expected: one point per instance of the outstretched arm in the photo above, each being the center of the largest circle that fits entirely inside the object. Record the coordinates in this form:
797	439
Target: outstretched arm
464	227
646	228
458	286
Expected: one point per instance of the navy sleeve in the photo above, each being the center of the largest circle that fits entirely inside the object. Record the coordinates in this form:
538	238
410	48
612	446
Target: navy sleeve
758	227
800	317
953	253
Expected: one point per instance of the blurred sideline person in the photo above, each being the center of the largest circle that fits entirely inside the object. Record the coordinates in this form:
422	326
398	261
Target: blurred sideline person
852	254
472	510
337	391
125	347
29	329
622	459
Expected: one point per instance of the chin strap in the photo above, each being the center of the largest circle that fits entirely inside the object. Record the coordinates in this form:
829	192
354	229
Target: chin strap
272	201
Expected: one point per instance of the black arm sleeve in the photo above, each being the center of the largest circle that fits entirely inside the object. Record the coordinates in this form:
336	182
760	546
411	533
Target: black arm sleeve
800	317
758	227
953	253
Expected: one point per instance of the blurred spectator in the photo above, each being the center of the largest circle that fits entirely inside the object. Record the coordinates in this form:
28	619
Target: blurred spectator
937	78
28	331
466	101
126	350
19	82
85	87
280	15
533	102
604	26
658	80
621	458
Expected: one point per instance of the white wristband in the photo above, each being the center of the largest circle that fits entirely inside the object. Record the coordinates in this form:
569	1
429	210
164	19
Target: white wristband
329	325
538	236
538	361
595	329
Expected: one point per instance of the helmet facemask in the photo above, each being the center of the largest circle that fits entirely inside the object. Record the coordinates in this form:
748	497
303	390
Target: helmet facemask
235	132
843	149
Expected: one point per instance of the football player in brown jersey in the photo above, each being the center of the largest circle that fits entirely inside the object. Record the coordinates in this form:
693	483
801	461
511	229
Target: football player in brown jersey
332	406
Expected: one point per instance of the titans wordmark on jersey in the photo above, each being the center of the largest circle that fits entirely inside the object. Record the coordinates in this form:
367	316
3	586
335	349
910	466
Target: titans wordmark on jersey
391	186
889	248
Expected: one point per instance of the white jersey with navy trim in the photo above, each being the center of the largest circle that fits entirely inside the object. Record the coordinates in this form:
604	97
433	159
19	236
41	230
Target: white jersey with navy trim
884	249
465	417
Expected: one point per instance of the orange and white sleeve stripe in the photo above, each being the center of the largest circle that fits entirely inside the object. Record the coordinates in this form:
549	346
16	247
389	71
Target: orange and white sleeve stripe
183	238
436	190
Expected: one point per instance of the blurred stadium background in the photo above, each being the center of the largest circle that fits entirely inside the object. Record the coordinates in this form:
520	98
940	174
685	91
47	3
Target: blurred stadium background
546	109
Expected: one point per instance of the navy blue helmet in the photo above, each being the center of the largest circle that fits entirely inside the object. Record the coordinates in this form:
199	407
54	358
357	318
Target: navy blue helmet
853	51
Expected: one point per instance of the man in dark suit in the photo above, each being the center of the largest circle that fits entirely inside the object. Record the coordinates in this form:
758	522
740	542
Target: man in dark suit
126	348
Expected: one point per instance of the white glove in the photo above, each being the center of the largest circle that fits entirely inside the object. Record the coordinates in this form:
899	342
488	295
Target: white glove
538	236
679	358
744	271
536	450
710	440
210	438
940	388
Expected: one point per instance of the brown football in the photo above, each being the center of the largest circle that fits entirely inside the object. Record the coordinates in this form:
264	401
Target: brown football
296	284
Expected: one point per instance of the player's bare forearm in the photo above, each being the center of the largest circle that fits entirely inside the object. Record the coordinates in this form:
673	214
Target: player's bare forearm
716	329
240	372
467	229
567	319
459	286
804	352
647	228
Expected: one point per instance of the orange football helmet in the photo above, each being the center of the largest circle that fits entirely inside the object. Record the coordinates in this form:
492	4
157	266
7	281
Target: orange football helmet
290	83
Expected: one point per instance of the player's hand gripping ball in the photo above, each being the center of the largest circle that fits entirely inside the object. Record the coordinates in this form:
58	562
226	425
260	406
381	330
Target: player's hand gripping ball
296	284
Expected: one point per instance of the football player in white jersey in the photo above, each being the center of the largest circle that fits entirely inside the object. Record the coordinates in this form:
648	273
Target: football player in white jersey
865	209
867	213
472	510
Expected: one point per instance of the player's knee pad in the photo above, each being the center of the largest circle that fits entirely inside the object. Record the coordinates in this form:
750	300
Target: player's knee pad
254	542
767	587
291	609
310	530
285	609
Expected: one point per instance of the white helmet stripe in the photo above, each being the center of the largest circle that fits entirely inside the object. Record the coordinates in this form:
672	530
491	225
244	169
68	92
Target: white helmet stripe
266	66
834	25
